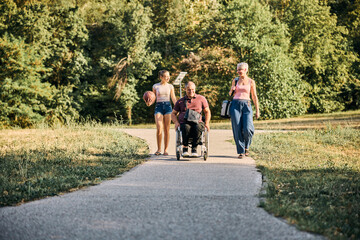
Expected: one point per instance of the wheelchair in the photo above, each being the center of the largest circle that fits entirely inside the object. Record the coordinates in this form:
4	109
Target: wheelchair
204	144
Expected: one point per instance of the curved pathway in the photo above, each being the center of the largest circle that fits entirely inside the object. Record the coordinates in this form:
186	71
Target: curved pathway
160	199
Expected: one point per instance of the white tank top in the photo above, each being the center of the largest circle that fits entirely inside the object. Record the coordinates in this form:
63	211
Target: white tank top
163	92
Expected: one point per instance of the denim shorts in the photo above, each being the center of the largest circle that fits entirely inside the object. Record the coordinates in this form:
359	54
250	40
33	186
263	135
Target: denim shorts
163	108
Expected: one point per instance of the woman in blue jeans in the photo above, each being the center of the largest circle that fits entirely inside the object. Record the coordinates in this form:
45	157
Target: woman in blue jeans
241	112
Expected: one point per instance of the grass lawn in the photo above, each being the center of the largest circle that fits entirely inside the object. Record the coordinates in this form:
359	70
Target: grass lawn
309	121
35	163
313	178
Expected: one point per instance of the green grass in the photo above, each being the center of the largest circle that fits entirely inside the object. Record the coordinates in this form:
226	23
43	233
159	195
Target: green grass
313	178
308	121
312	121
35	163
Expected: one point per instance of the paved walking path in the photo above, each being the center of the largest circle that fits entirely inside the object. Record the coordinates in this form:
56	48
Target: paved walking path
160	199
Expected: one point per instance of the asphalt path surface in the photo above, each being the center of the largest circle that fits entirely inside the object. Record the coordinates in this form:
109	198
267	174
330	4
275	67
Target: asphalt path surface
160	199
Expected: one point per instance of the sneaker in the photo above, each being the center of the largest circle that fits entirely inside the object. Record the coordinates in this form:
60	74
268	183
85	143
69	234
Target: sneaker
194	153
185	153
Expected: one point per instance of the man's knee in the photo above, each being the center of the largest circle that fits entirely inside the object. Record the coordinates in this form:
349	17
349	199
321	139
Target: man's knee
201	127
184	127
185	130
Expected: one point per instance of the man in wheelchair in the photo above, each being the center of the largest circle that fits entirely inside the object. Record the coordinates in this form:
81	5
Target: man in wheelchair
186	114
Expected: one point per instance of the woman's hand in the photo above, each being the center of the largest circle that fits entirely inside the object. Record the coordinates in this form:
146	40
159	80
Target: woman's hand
232	89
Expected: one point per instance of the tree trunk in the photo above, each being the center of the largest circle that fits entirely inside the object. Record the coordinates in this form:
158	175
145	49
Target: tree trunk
128	111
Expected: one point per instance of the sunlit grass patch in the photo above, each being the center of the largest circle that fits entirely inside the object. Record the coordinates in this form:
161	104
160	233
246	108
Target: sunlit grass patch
42	162
313	121
313	178
309	121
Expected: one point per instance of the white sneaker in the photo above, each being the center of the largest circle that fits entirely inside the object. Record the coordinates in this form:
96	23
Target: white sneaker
186	154
194	154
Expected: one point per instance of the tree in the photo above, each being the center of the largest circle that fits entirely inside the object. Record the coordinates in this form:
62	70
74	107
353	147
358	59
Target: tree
211	69
58	36
125	34
24	99
252	32
242	30
321	52
7	9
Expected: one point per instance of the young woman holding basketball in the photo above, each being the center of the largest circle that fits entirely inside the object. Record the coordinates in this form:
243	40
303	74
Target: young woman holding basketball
164	91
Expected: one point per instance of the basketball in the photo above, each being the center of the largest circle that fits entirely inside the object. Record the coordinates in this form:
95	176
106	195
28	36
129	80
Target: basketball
149	97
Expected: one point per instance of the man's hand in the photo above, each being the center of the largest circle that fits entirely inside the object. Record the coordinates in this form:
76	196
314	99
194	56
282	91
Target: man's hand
177	124
175	119
207	118
207	125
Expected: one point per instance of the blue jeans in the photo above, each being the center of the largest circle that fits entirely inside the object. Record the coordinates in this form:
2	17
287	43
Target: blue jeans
242	124
163	108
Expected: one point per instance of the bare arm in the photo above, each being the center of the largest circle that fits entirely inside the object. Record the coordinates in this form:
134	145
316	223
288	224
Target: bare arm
172	95
232	87
174	118
207	118
149	103
255	98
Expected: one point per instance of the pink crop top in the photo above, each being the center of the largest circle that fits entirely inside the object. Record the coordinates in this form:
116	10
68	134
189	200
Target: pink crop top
242	91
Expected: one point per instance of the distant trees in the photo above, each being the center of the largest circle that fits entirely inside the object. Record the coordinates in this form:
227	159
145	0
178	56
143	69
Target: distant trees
24	99
68	59
322	53
120	57
261	41
52	39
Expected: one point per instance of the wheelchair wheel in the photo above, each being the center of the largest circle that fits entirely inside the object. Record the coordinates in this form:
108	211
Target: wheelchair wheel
206	142
178	144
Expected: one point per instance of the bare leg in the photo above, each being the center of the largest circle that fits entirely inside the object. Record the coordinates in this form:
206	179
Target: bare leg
167	121
159	130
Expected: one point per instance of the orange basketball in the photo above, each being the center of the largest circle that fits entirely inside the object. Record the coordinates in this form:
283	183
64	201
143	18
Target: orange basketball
149	97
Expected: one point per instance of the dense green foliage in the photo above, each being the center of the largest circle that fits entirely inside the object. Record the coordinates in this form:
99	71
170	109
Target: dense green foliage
94	59
321	52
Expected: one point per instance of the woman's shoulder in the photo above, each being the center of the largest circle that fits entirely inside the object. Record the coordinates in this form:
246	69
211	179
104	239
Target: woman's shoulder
252	82
235	80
